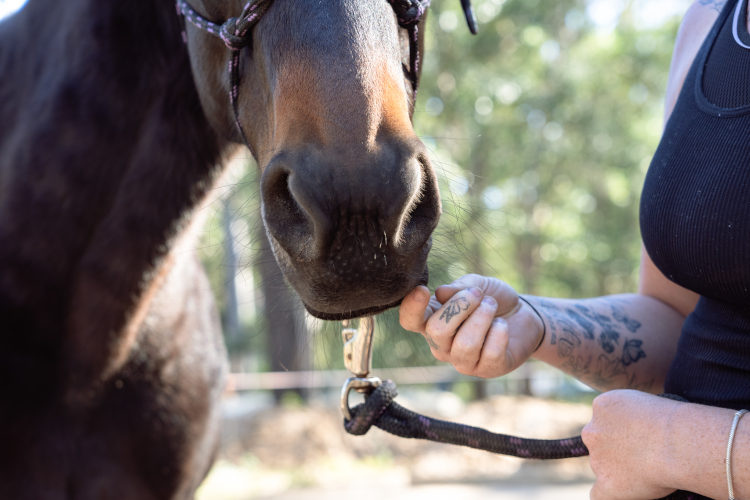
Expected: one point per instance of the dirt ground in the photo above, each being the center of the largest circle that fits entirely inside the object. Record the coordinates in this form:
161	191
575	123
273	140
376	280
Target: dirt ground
304	453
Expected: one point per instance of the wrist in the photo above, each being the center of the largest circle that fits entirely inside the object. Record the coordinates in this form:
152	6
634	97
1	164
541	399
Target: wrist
697	449
539	319
669	453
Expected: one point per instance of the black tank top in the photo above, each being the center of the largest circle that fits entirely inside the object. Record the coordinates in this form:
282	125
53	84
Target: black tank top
695	216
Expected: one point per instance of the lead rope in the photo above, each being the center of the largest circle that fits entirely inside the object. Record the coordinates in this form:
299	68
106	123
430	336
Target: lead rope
380	410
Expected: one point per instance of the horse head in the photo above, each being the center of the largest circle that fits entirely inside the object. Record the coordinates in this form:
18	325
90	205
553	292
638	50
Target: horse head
325	99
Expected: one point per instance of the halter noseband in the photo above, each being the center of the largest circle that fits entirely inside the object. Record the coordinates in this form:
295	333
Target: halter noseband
236	33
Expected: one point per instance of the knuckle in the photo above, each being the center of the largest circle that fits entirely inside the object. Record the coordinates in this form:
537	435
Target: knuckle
589	435
462	347
487	371
437	331
600	403
492	357
440	355
464	368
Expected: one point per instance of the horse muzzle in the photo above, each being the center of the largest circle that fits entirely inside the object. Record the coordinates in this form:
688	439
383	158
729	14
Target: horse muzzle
352	237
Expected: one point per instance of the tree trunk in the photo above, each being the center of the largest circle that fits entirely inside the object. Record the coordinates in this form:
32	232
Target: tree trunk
287	340
231	314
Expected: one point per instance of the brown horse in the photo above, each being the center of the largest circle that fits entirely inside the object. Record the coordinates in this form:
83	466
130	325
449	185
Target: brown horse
112	130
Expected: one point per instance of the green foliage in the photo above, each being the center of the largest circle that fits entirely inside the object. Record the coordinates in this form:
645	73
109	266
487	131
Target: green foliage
541	129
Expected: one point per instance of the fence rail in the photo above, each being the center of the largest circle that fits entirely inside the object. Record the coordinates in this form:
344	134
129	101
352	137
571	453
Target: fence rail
327	379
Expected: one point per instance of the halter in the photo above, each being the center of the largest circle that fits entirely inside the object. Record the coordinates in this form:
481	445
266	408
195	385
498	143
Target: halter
236	33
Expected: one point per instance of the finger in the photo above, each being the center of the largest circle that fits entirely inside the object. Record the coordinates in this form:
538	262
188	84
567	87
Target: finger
508	302
467	344
445	292
443	324
495	359
415	309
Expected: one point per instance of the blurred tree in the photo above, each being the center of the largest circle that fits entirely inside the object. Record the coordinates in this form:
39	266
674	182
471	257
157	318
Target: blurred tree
286	331
231	312
547	121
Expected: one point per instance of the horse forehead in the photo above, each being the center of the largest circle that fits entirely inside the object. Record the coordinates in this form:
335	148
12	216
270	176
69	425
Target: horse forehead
331	29
335	71
309	104
332	47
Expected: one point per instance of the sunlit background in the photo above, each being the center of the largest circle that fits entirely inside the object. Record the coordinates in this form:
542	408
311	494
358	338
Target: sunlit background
541	129
8	7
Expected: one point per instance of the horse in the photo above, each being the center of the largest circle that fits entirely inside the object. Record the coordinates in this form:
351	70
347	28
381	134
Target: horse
115	121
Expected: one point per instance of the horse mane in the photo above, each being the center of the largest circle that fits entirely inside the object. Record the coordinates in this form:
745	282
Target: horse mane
104	151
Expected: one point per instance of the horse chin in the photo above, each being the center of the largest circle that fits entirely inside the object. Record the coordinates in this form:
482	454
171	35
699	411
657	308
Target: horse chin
328	294
340	312
372	311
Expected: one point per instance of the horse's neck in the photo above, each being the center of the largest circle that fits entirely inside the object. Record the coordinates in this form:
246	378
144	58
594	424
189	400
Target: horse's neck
108	152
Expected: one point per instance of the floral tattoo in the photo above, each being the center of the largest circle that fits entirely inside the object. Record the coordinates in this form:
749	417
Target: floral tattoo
611	329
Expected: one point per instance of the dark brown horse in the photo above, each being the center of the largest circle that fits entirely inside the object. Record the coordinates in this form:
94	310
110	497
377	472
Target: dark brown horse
112	130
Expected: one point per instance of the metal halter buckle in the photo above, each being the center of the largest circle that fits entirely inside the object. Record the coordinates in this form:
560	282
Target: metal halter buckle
358	358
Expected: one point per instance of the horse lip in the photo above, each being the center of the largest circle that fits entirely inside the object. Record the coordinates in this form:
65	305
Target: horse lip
371	311
368	311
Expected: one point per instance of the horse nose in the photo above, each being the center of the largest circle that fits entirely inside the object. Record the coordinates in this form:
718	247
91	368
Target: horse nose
388	203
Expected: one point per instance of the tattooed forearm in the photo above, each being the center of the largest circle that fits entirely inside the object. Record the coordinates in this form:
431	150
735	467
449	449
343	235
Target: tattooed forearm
454	307
598	344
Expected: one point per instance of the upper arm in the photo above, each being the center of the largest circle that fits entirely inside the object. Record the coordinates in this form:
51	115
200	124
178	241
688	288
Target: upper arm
696	24
654	284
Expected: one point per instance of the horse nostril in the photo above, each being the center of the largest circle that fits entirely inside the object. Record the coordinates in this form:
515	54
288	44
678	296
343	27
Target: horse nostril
288	218
422	217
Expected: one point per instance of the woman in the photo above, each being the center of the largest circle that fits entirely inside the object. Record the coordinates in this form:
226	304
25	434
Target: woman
687	330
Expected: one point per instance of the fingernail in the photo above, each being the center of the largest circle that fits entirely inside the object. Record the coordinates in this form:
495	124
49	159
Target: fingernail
476	292
489	301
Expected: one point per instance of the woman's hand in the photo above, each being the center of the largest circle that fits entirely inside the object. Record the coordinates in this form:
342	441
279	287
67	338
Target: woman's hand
478	324
627	438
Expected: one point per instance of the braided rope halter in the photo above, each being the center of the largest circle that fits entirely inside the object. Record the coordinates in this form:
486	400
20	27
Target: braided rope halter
236	33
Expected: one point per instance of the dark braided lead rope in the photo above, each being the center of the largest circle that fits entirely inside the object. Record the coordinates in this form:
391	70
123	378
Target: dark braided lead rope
380	410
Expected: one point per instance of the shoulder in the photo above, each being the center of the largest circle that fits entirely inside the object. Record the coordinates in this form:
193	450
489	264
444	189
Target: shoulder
695	26
715	5
697	22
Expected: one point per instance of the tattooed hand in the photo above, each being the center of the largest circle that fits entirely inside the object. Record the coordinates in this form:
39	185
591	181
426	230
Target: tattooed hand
476	323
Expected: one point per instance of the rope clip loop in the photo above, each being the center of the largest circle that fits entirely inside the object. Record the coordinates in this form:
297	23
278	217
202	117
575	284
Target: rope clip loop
360	384
358	346
358	359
